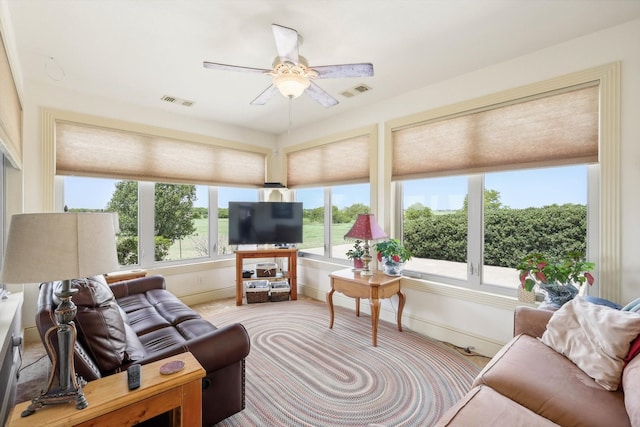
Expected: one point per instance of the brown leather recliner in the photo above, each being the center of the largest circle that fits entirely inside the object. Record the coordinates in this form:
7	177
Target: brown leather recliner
139	321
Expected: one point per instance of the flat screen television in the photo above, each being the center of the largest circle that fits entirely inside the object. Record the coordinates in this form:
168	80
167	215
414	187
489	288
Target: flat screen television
263	223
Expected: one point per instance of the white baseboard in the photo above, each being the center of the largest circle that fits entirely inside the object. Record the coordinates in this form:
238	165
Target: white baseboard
441	332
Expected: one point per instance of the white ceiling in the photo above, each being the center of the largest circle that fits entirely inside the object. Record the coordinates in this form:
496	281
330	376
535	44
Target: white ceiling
140	50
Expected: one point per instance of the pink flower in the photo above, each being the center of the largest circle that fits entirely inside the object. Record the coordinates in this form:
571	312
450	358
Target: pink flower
396	258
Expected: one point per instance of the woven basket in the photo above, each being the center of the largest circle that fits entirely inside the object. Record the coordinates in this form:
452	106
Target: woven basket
526	296
257	291
266	269
280	291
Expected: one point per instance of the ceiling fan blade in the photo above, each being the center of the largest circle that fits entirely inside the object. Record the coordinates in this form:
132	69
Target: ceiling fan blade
225	67
286	43
343	70
265	96
320	96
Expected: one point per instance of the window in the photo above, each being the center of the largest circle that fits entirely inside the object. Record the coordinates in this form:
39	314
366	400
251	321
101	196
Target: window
331	177
313	229
180	215
439	222
514	139
435	213
345	202
550	217
181	224
164	183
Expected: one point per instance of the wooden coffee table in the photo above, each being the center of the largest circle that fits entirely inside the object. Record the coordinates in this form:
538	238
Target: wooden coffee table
375	287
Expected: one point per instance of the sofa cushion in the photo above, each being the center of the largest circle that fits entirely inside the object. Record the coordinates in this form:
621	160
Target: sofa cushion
99	322
133	302
595	337
631	386
194	328
146	320
484	407
160	339
536	376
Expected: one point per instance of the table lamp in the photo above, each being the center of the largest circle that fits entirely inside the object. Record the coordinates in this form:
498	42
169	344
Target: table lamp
60	246
366	228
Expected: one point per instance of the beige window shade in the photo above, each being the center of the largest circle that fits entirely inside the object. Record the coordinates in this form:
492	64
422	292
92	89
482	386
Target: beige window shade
10	112
554	130
96	151
345	161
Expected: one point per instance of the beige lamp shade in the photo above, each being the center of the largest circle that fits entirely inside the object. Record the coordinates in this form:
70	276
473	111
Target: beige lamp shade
59	246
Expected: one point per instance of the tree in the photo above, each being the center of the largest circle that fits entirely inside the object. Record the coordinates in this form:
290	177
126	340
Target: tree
174	211
315	214
491	200
124	200
355	209
417	210
173	217
339	216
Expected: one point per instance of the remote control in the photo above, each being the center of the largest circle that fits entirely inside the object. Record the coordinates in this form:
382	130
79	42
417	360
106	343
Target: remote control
133	376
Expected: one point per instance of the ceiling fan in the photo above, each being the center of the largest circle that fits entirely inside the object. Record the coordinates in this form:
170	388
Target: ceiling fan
291	73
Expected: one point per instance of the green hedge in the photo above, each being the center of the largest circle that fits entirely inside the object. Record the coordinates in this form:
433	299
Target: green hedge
510	234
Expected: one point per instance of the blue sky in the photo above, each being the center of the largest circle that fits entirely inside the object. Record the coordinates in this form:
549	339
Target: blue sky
518	189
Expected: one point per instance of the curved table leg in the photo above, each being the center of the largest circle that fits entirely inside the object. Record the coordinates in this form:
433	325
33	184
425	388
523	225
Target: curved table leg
330	304
375	315
401	300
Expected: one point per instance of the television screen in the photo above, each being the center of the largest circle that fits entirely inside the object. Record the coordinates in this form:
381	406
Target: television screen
263	223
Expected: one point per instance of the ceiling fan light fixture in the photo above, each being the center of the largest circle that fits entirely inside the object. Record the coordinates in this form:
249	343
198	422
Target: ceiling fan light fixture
291	85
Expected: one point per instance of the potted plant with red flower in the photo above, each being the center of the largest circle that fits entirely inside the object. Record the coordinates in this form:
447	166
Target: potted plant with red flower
392	254
561	281
356	253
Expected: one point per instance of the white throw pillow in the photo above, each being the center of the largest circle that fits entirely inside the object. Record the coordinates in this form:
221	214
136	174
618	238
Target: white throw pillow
594	337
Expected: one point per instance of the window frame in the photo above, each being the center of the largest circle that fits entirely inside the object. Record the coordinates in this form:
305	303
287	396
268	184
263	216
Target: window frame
604	186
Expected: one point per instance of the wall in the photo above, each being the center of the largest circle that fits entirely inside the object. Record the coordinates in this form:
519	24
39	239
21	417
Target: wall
464	317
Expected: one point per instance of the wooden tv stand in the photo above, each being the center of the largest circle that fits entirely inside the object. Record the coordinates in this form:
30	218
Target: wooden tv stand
290	254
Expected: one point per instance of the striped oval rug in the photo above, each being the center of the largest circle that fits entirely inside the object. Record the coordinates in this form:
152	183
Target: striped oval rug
301	373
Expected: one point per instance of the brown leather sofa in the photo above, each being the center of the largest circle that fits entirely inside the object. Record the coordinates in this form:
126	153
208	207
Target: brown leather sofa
529	384
139	321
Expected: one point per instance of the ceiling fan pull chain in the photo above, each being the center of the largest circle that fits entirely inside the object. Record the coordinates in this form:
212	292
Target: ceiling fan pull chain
290	121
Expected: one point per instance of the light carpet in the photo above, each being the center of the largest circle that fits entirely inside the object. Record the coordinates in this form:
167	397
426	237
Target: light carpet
301	373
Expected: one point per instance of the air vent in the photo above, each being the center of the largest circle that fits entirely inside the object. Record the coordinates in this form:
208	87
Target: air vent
356	90
179	101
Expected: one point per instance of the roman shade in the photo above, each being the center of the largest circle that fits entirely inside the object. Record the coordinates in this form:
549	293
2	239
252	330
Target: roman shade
10	112
340	162
560	128
88	150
